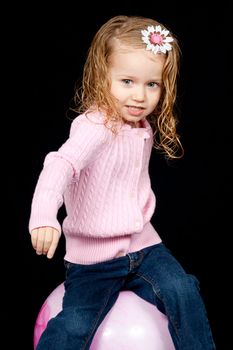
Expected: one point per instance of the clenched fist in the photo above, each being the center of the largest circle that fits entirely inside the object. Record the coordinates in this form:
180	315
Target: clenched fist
45	240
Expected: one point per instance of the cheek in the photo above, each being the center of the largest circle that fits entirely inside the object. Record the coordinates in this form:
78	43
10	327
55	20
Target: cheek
155	100
113	89
116	91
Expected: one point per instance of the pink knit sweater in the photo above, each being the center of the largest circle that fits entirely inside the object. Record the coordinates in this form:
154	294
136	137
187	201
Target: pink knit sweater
103	180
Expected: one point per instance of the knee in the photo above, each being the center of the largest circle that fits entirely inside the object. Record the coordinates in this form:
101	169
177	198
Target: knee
185	286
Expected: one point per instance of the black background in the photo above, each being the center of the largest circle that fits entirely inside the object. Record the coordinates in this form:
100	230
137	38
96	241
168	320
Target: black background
45	51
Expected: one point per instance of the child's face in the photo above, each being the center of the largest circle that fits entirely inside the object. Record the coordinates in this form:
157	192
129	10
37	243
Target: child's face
136	79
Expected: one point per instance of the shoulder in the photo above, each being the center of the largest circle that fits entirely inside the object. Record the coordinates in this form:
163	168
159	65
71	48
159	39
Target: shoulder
91	126
89	121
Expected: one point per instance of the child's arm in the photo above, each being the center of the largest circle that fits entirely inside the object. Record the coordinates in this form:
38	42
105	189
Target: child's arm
84	144
45	240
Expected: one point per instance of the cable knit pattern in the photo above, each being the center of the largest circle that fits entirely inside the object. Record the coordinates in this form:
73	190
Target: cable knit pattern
103	180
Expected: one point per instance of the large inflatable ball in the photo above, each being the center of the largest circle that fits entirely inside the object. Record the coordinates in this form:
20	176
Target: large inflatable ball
131	324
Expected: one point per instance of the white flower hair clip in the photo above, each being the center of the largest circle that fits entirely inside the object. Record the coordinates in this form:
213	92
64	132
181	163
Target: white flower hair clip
157	39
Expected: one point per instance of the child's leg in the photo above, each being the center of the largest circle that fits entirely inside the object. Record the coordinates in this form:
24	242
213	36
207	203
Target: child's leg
161	280
90	292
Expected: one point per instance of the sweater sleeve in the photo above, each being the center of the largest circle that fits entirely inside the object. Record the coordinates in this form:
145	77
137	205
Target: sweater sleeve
86	141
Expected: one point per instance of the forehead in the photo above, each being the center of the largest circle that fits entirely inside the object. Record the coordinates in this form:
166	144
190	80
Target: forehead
126	58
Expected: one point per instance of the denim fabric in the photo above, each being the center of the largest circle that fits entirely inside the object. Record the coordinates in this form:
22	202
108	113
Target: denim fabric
153	274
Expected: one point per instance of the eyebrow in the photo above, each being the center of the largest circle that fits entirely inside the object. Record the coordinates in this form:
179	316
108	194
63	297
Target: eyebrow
126	76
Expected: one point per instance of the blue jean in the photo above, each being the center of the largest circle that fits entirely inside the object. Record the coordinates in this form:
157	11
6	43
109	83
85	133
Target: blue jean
154	275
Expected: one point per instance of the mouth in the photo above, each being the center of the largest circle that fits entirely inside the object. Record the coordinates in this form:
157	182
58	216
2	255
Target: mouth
135	110
135	107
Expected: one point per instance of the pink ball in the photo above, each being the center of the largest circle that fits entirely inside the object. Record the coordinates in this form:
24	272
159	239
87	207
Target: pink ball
131	324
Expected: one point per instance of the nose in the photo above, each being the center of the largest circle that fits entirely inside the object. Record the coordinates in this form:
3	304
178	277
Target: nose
138	94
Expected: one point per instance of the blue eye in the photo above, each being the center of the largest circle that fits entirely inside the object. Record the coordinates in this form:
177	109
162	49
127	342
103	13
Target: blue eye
127	81
153	84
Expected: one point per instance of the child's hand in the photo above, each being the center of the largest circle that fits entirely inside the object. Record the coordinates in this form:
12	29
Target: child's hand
45	240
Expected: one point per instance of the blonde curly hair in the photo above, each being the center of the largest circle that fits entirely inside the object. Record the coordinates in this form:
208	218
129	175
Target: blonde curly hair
95	87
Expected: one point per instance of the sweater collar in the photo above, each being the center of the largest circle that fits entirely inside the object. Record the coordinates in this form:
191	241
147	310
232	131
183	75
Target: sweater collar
144	131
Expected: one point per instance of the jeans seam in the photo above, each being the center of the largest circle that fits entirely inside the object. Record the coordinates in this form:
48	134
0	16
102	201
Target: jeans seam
158	294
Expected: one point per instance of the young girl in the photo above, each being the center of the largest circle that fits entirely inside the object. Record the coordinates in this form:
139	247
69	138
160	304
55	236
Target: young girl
101	175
